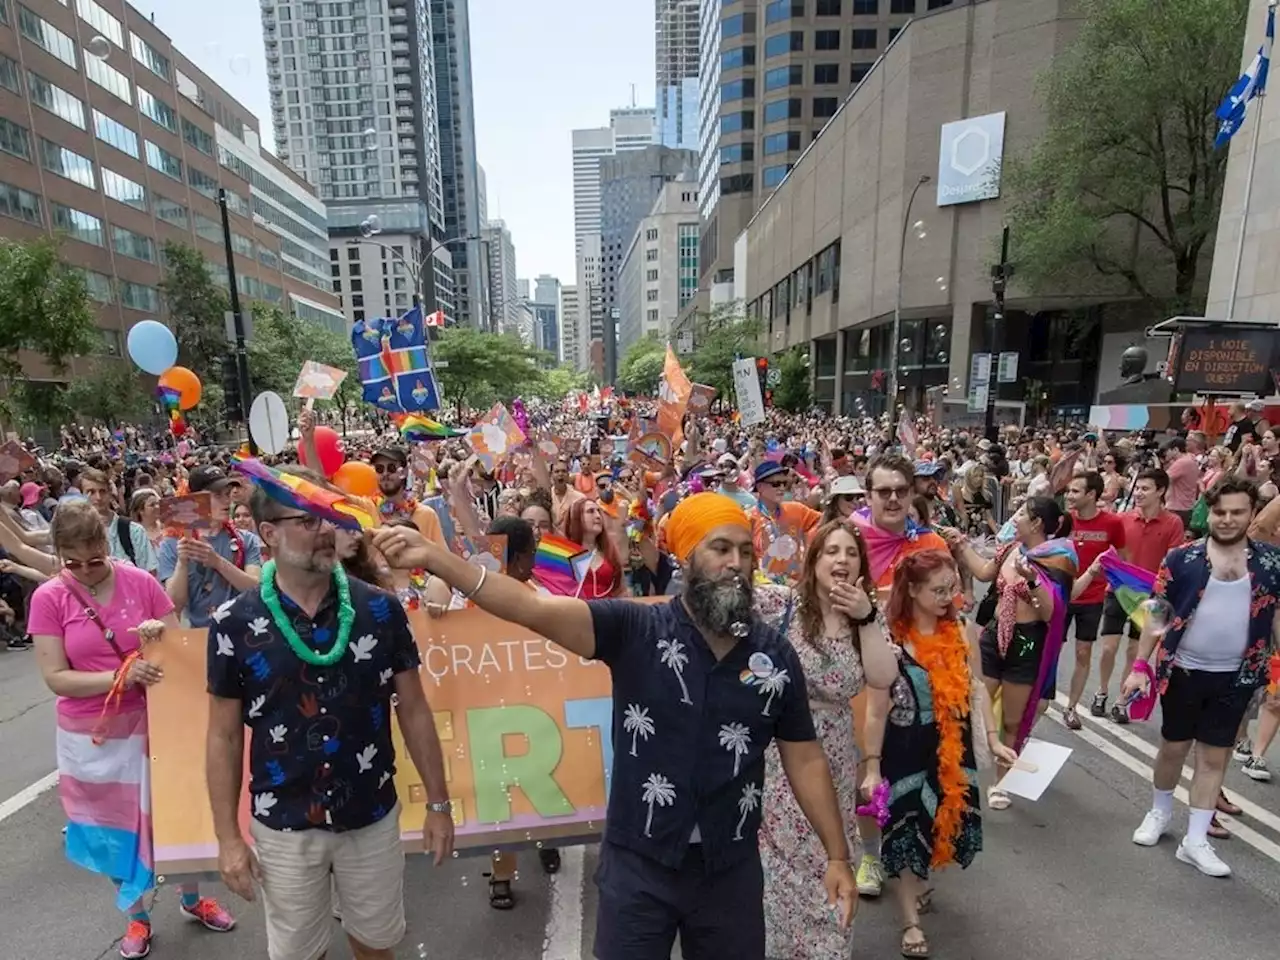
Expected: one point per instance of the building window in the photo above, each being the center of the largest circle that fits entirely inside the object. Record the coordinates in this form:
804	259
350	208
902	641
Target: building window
902	6
827	39
14	139
937	4
734	122
650	255
651	296
130	244
782	110
737	25
161	159
109	79
202	183
781	142
149	105
826	73
105	23
170	211
115	133
781	43
651	235
56	100
651	316
858	71
138	296
10	72
738	57
737	153
47	37
738	89
67	163
827	8
774	175
198	138
241	245
869	7
20	204
353	253
864	39
651	276
150	58
99	286
828	264
779	77
780	10
739	183
825	106
77	224
126	191
208	229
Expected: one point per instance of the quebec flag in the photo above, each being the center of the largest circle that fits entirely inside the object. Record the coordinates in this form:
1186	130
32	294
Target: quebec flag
1253	83
394	366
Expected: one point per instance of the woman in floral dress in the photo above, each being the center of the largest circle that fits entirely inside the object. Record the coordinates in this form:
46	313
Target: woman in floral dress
834	628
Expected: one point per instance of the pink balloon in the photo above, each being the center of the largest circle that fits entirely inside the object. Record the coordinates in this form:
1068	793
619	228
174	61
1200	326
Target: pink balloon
329	449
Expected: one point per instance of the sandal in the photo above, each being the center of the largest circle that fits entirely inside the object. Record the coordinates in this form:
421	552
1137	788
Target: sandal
998	800
500	895
1072	719
1217	830
918	949
1226	806
924	902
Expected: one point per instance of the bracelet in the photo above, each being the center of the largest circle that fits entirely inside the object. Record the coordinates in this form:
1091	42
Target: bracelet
484	572
870	756
869	619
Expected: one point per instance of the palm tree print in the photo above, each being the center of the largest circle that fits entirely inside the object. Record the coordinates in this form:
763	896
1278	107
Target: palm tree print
749	800
657	789
772	685
637	723
736	738
673	656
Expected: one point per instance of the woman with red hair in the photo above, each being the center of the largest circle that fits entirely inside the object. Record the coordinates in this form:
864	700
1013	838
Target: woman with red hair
585	526
920	738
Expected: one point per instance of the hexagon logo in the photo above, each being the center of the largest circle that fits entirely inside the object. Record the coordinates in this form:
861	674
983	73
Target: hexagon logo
970	151
969	159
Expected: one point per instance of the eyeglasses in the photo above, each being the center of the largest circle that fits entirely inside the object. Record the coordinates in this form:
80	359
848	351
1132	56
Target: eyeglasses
306	521
774	483
892	493
382	468
93	563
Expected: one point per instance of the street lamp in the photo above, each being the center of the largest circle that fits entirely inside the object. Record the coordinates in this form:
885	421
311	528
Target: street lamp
894	349
370	227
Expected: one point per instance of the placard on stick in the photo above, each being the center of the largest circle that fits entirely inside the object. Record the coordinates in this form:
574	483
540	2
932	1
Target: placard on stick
14	460
191	512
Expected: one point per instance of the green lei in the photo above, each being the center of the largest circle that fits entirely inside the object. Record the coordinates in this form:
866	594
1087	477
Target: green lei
346	617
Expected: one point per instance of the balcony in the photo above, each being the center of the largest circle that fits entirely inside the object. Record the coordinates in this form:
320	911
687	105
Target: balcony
402	78
404	96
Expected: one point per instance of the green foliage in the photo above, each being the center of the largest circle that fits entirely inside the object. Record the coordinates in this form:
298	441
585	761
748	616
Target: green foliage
44	306
792	393
197	306
719	338
1128	155
641	366
484	367
110	391
557	382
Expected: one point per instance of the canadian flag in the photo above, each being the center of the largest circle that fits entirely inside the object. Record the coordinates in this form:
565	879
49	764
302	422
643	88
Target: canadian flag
434	319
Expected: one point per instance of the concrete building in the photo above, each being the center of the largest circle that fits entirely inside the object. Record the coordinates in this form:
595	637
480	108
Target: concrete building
773	73
459	170
569	338
676	59
547	311
123	153
504	290
354	105
659	272
819	262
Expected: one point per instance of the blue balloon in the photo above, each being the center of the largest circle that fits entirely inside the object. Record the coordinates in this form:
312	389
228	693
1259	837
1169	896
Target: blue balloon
152	346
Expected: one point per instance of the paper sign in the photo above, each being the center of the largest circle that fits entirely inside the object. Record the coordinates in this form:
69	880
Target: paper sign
318	382
700	399
495	436
1036	768
14	459
746	384
653	450
191	512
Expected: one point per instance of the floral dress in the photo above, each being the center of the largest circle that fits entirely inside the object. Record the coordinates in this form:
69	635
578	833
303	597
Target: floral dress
799	925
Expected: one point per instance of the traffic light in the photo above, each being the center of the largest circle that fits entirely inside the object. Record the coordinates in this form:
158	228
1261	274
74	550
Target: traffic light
232	401
762	371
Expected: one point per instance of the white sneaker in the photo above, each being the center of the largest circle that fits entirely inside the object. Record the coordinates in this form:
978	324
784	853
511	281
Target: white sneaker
1154	826
1203	857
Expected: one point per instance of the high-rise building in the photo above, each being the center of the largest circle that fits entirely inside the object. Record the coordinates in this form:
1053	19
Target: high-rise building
546	306
676	48
658	276
120	153
354	104
630	128
459	170
504	287
773	72
569	331
482	195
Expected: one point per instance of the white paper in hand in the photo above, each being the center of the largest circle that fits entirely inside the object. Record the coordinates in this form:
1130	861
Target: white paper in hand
1037	766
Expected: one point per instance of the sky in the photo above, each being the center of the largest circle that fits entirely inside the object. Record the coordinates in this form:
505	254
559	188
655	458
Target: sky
539	70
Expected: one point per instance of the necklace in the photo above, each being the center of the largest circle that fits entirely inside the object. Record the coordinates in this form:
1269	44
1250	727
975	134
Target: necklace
346	617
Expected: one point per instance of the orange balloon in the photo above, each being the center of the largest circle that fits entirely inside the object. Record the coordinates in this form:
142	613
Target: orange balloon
185	382
356	478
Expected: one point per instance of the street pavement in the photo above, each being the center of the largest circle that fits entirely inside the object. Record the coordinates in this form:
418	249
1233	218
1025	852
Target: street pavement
1058	878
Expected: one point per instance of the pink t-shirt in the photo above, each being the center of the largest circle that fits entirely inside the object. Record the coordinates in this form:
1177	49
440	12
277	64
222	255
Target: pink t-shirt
56	612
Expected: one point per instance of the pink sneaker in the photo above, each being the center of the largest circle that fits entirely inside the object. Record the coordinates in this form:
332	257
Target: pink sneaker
210	913
137	940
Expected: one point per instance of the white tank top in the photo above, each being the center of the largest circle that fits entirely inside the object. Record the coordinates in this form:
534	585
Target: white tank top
1218	634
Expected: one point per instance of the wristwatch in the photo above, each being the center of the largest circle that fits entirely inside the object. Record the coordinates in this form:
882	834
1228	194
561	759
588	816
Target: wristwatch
440	806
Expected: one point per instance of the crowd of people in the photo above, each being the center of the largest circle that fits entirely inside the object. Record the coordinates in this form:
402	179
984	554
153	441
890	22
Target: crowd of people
860	632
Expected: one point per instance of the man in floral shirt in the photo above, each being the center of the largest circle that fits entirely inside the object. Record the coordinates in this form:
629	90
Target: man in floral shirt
1212	655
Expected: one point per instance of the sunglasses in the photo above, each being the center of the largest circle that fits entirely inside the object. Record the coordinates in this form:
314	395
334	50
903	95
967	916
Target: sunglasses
93	563
891	493
384	468
774	483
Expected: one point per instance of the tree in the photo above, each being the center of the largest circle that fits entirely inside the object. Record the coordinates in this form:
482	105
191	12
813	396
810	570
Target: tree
197	306
792	393
719	339
641	366
109	391
482	367
557	383
1126	184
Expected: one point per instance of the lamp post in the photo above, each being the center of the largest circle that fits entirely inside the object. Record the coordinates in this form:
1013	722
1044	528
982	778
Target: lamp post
237	318
894	349
369	227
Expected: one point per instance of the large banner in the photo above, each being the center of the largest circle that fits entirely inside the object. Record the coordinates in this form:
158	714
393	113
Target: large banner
525	728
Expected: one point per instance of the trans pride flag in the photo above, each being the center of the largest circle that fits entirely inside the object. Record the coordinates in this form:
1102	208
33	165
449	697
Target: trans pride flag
394	366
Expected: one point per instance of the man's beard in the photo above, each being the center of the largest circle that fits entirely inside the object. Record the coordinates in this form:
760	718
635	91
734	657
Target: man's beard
716	605
310	561
1224	542
391	484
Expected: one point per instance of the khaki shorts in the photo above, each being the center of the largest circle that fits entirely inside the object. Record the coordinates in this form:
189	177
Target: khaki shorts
364	867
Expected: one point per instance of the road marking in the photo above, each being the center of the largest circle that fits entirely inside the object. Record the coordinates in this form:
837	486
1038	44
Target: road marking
564	921
27	795
1262	815
1239	830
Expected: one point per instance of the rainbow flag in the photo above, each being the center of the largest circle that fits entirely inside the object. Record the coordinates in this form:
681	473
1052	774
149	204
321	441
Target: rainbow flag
1131	584
415	428
560	565
169	398
302	494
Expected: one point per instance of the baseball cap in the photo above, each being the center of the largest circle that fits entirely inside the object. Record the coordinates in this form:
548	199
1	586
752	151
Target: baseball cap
1255	406
928	468
847	487
210	477
728	462
391	453
31	494
770	468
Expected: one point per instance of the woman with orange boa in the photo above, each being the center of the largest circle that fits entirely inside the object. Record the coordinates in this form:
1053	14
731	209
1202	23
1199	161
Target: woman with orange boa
920	738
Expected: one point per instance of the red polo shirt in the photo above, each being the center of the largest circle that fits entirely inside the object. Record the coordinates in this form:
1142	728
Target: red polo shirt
1149	540
1094	537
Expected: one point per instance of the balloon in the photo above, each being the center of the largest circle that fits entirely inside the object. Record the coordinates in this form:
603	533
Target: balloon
185	382
329	449
152	346
356	478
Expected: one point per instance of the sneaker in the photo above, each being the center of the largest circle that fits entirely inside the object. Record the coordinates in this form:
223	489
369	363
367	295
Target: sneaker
1072	719
1099	706
1242	752
210	913
1154	826
1255	768
870	876
1119	714
1203	857
137	940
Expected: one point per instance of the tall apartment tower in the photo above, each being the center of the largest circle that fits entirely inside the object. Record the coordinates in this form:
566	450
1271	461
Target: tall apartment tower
569	335
676	48
772	73
504	285
354	106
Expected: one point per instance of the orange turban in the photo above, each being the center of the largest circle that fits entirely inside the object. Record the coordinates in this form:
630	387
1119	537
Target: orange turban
696	516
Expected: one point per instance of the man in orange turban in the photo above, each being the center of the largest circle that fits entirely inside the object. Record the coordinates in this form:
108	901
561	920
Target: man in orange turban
696	517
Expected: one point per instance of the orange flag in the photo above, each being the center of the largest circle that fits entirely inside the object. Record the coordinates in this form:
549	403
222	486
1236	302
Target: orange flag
673	397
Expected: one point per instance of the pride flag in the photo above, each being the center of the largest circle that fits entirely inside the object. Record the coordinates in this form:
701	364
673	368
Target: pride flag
560	565
302	494
394	367
415	428
1131	584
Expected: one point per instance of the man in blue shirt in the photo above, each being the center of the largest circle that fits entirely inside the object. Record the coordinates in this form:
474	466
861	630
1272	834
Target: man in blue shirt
702	690
200	574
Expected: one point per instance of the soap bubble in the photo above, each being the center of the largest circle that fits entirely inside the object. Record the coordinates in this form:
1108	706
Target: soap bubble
1156	615
370	138
98	47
